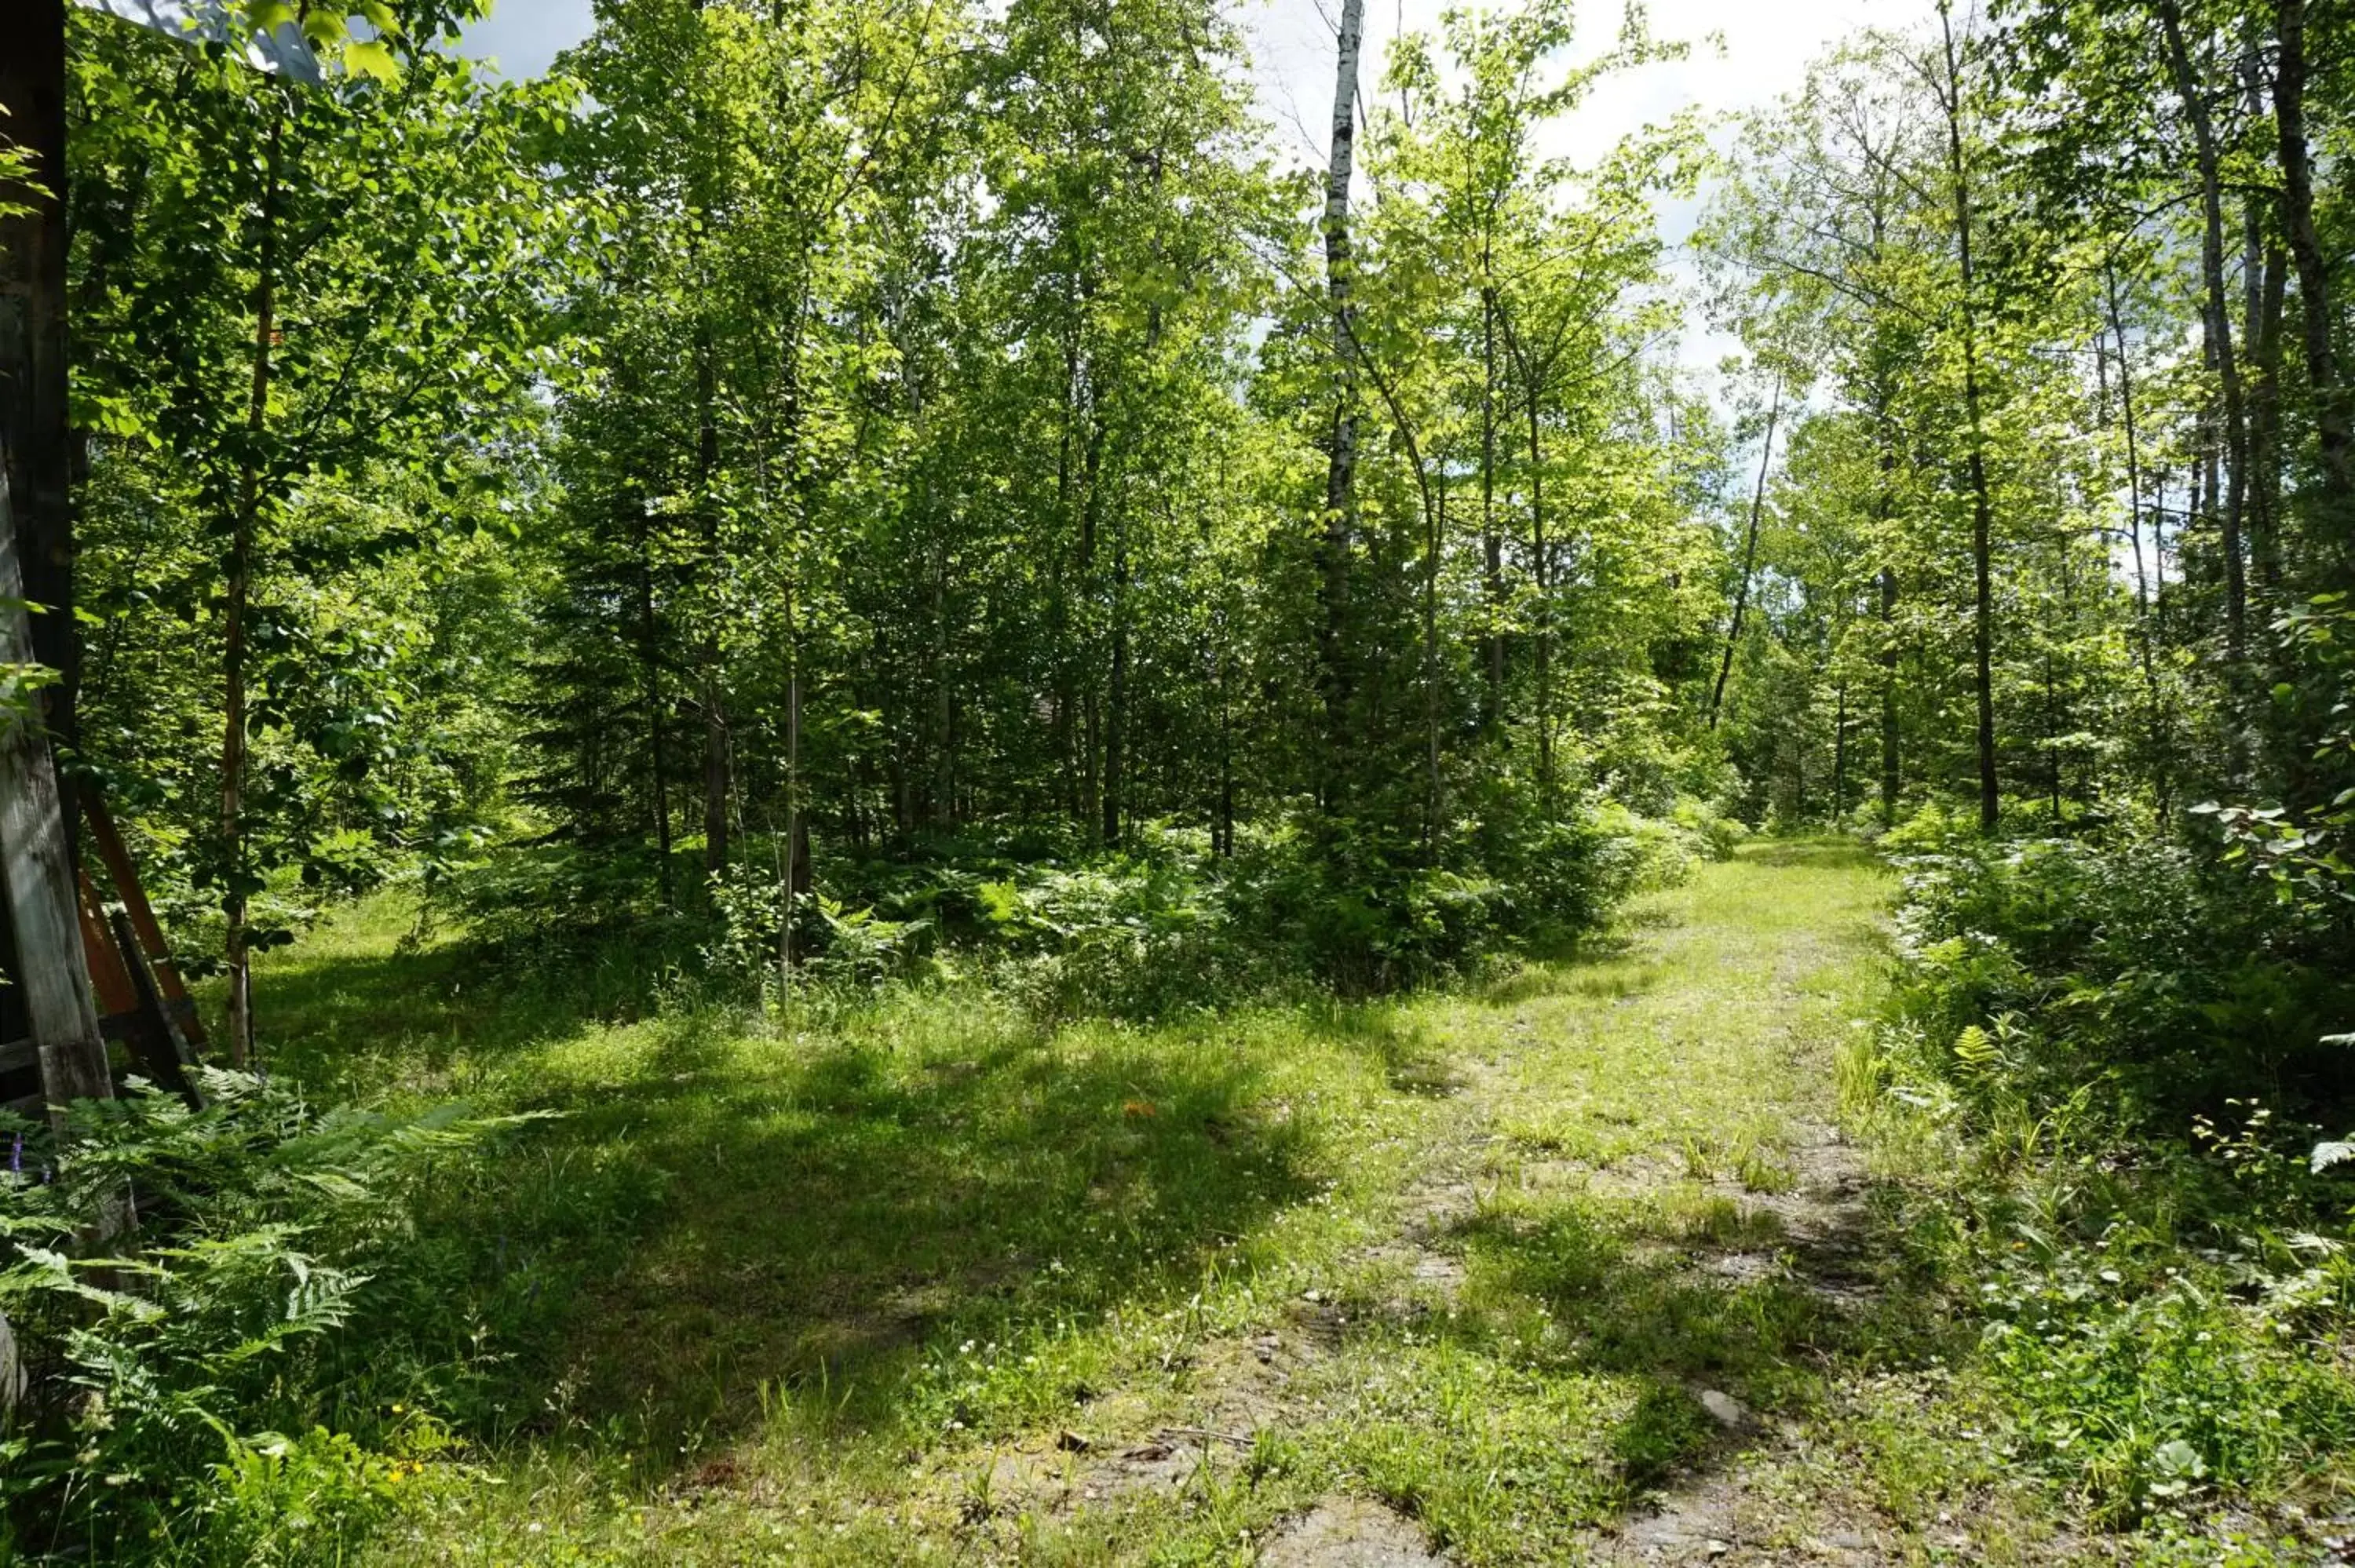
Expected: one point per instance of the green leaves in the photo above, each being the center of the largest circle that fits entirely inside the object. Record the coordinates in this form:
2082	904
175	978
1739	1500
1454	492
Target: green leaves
266	1287
416	244
371	61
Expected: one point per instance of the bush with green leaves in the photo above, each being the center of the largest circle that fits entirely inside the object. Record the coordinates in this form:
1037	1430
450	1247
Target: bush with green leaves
1712	833
1366	910
1159	925
549	901
245	1281
2138	961
2146	1379
1143	934
2121	1046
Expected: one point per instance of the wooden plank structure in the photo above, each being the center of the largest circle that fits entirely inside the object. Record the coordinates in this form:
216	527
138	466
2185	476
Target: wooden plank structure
50	1002
56	938
141	916
49	973
142	1002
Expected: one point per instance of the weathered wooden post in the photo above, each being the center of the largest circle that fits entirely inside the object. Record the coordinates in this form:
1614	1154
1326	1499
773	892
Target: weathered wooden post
38	868
36	561
37	858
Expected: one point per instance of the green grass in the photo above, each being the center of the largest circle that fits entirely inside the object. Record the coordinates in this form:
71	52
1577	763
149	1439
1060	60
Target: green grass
930	1283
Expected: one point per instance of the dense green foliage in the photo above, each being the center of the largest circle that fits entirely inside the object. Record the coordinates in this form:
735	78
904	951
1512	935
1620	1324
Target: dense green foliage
247	1390
2113	1052
761	443
2062	536
813	513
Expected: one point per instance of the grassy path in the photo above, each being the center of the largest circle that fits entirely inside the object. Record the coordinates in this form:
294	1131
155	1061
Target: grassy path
1576	1269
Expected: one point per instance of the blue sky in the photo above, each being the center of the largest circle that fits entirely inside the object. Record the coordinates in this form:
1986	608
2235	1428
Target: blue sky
523	35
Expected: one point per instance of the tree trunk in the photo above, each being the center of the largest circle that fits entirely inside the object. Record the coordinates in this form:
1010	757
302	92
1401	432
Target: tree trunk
1840	757
944	805
1541	570
2267	300
2264	278
1091	695
1884	508
715	766
235	871
1334	660
1065	699
1492	695
1541	577
1116	696
713	698
1226	766
1982	507
2053	721
1891	781
1434	532
796	868
2331	416
1799	774
2134	534
1748	558
650	677
2219	318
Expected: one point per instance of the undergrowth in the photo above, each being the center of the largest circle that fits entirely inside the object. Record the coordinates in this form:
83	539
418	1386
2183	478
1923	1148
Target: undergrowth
2106	1072
1159	927
238	1330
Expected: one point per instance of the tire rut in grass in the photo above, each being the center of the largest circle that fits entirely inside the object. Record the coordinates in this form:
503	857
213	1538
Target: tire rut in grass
1349	1532
1814	1234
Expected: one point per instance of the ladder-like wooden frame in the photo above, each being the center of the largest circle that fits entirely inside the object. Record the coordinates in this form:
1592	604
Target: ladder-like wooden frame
139	996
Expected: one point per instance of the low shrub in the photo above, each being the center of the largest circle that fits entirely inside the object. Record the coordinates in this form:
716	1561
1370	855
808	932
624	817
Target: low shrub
2136	961
2116	1051
1712	834
550	902
2146	1379
1364	912
1160	924
247	1280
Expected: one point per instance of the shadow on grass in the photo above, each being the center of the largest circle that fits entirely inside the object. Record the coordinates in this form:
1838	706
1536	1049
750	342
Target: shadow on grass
1412	1061
354	1008
1562	1379
866	1211
1605	965
1714	1296
719	1219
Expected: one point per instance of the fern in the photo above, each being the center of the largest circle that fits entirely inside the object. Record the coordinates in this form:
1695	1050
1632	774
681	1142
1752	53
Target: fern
266	1227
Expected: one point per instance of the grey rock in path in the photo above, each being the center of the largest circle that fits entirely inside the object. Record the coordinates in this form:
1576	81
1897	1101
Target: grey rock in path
1725	1409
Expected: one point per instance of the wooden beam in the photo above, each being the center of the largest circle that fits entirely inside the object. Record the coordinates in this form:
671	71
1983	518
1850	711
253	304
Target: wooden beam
15	1055
109	977
157	1041
125	877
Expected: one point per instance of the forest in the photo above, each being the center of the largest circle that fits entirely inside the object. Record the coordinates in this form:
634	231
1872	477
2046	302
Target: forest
849	788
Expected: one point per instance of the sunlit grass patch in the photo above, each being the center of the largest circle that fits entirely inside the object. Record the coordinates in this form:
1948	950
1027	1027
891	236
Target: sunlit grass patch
1501	1463
911	1280
1760	1170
